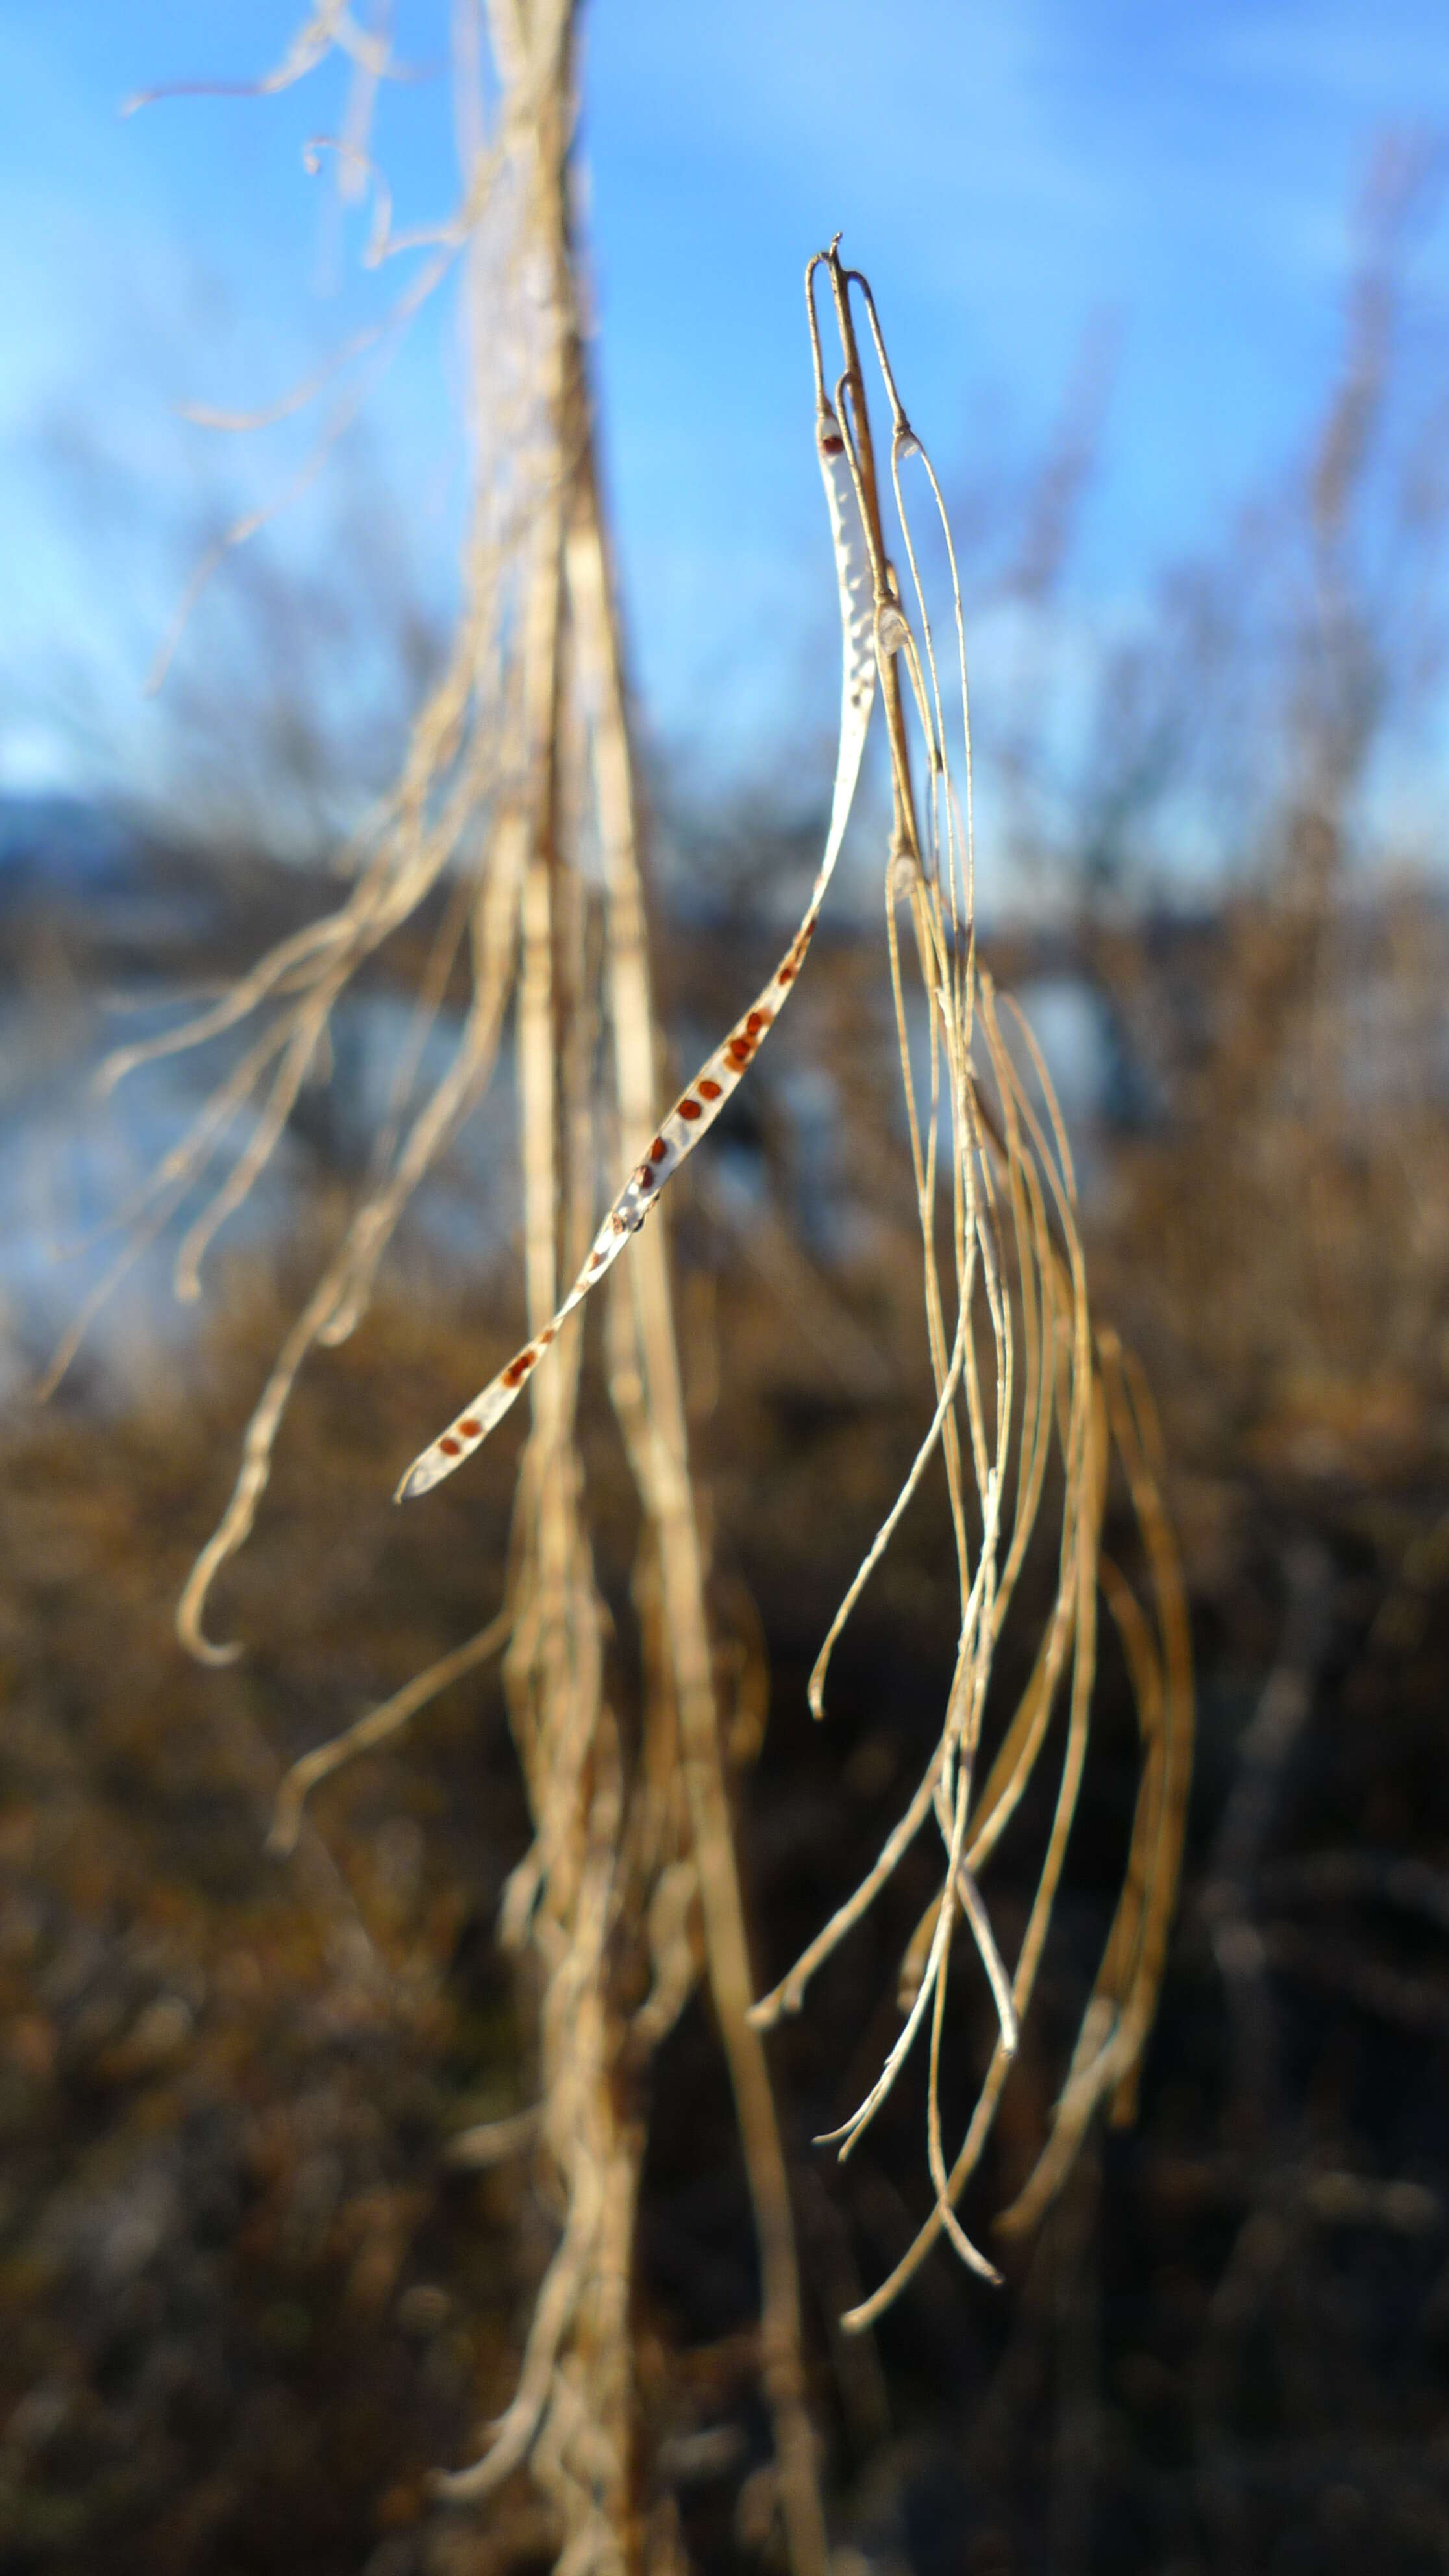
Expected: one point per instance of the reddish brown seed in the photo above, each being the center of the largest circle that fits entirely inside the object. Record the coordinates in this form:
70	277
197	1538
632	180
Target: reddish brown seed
517	1370
786	974
548	1334
470	1429
691	1108
645	1177
450	1447
659	1149
757	1020
741	1049
832	444
710	1090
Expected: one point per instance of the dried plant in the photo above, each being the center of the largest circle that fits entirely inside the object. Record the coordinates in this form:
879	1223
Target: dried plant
1012	1349
1017	1371
517	798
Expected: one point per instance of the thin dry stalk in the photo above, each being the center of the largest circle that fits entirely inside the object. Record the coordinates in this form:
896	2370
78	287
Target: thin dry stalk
518	770
522	747
1018	1375
1017	1369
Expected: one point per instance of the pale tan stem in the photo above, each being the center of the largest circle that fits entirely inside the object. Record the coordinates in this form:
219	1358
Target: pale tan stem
670	1499
376	1728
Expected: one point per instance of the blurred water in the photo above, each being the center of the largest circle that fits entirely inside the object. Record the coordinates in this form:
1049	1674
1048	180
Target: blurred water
77	1166
76	1169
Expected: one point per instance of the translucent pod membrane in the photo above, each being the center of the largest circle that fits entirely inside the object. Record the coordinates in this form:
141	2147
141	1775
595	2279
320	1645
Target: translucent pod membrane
696	1110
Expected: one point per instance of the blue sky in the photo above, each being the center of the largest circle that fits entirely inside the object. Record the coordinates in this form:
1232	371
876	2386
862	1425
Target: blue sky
1008	174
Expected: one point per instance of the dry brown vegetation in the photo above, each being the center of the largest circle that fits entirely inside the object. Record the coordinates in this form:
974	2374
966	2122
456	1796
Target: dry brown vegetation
293	2160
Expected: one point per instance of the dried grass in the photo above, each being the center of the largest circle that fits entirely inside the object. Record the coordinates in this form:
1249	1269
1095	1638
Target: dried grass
1019	1375
519	771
